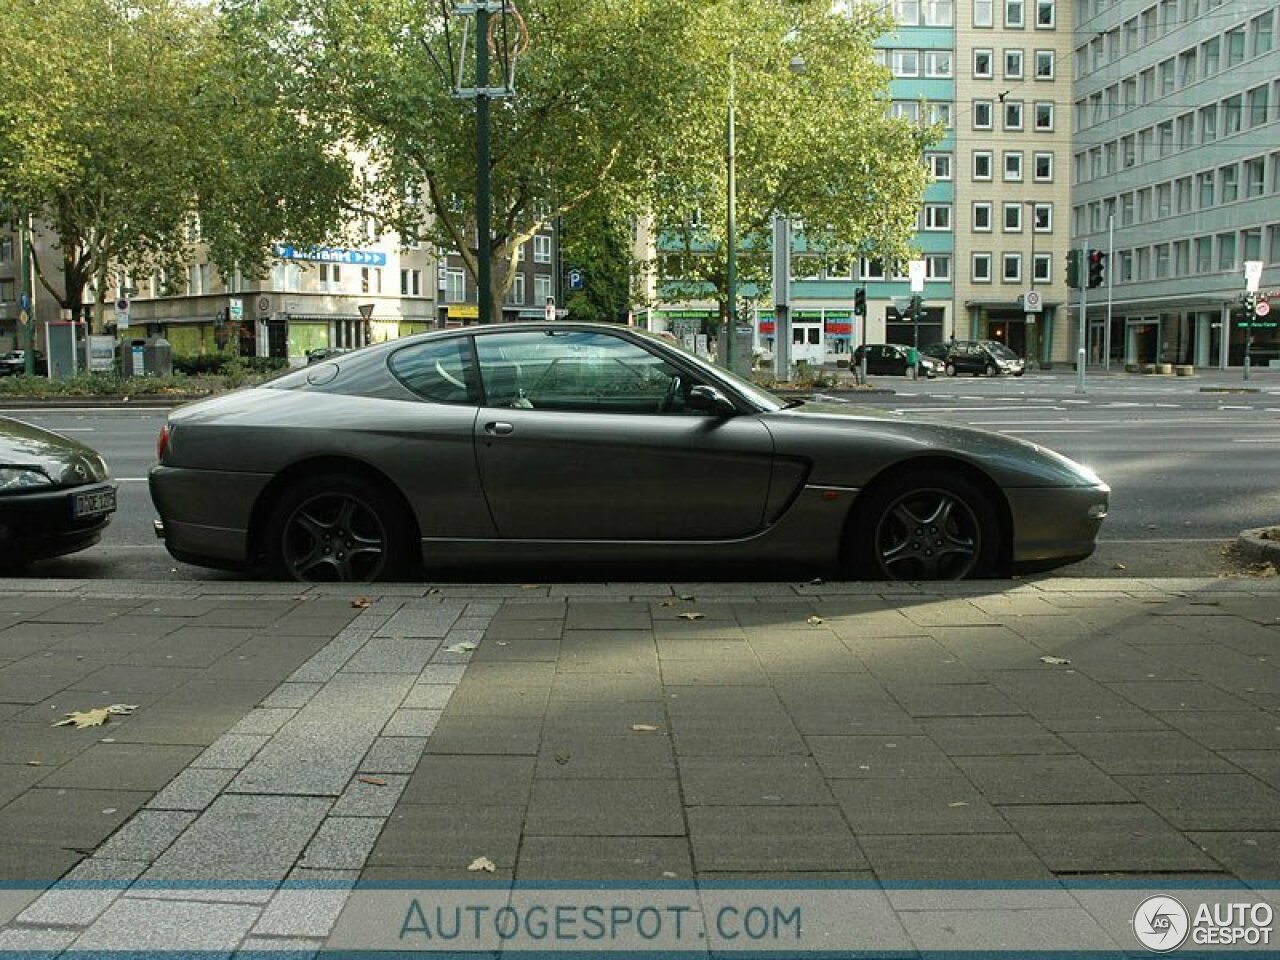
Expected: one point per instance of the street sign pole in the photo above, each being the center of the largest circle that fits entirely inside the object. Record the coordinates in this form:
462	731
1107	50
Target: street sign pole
28	309
1083	333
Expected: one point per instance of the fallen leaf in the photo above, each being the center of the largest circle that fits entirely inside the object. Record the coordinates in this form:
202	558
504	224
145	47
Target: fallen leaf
466	646
530	586
1118	566
95	717
814	621
668	874
481	863
361	602
958	803
816	582
1056	661
431	590
121	709
562	757
667	603
687	596
372	781
35	763
109	810
690	616
643	728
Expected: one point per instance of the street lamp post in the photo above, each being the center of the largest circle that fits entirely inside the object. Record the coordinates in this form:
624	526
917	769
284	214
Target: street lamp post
1029	316
731	244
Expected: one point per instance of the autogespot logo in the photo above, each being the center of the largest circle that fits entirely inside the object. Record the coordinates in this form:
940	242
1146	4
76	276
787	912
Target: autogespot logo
1161	923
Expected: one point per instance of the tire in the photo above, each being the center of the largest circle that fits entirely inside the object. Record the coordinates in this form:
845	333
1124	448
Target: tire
926	525
338	527
991	370
951	369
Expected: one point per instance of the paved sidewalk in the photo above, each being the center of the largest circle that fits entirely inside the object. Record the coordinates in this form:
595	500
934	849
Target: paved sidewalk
621	732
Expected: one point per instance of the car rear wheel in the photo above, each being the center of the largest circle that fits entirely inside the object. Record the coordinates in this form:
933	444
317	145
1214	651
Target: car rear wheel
925	526
337	528
951	369
991	370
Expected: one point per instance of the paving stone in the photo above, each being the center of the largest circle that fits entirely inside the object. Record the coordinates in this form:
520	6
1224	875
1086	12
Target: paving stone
953	700
428	696
471	781
411	723
342	843
743	781
42	943
495	735
1001	857
992	736
158	926
75	819
393	755
1105	838
231	751
1250	856
290	696
27	863
1233	802
572	859
392	655
607	616
676	673
1178	695
604	808
146	836
16	779
242	838
1016	931
712	744
566	755
1147	752
485	699
1054	779
1244	730
419	835
879	756
123	766
365	798
83	895
768	838
421	621
947	613
591	688
308	912
919	806
193	789
1263	764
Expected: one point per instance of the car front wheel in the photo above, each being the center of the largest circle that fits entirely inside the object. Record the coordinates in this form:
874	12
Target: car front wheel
951	369
923	526
991	370
337	528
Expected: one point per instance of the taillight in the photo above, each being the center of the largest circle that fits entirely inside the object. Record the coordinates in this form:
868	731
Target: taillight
162	444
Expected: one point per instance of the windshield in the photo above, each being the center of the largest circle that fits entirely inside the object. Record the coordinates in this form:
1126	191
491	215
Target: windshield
1000	351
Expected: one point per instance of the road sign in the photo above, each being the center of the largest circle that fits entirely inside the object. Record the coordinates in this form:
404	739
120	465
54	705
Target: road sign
122	305
1031	301
122	313
915	271
24	302
1263	308
575	279
1252	274
235	310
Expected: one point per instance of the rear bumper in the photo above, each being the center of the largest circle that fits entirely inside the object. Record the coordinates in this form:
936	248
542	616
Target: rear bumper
1055	525
205	515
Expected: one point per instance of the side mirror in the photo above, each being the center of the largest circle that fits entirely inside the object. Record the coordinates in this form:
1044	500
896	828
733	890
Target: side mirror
710	400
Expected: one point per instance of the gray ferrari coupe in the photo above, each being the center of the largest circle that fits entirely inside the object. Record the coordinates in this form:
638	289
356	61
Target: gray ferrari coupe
601	447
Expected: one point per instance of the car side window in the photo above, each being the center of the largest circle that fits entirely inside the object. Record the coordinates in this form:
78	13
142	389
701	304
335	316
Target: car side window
578	370
440	371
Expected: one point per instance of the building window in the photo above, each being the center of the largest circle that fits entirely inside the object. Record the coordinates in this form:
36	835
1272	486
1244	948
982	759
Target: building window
1014	16
518	291
1252	242
980	267
906	110
982	217
1013	165
1044	64
1226	251
1229	178
1013	64
938	13
1232	115
1204	254
1210	56
1013	114
940	112
542	248
1013	218
8	291
982	114
1011	267
982	69
1235	47
1046	14
870	269
1208	124
906	63
1273	241
1044	115
937	63
1042	217
982	160
1257	106
410	283
1043	167
1042	268
1255	177
1261	30
937	216
939	165
907	12
330	277
937	266
370	279
6	249
455	286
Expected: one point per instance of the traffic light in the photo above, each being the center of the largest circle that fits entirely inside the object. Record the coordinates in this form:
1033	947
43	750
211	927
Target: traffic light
1097	268
1073	268
915	312
860	302
1250	304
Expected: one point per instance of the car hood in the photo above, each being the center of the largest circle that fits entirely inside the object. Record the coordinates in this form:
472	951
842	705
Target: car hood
884	439
65	461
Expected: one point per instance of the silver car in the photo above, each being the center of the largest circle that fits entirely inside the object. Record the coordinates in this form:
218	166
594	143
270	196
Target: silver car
600	446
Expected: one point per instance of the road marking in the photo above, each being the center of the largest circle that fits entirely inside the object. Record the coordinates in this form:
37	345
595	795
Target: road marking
1255	440
54	411
131	479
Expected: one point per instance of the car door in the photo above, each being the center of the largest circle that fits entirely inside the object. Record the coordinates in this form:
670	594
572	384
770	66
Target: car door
584	435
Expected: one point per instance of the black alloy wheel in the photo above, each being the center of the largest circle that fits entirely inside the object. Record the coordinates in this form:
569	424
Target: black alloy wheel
335	528
928	528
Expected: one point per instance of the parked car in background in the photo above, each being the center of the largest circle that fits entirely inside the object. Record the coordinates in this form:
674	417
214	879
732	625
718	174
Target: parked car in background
986	358
56	494
890	359
534	444
319	354
14	364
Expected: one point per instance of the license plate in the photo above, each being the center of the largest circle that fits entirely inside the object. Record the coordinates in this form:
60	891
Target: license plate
93	503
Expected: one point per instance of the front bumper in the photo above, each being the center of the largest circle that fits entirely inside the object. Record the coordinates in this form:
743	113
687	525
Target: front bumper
43	524
1055	525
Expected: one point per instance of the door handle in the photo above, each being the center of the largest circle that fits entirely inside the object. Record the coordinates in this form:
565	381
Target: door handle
498	428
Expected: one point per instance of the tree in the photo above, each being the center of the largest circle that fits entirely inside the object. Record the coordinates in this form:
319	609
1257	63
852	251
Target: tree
813	140
139	137
597	242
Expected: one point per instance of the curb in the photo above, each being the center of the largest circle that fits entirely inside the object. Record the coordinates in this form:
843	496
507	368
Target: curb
56	403
1257	548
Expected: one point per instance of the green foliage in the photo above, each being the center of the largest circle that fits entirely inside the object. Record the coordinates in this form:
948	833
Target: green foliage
220	363
597	241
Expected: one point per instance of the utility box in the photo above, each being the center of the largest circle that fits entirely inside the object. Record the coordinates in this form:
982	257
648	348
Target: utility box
157	357
133	358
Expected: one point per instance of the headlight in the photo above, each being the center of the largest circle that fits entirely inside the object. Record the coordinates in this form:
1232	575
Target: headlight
22	478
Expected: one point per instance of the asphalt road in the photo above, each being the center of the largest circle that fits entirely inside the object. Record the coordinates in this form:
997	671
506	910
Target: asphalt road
1188	468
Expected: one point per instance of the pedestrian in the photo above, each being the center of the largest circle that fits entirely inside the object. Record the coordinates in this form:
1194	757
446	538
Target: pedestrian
913	363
